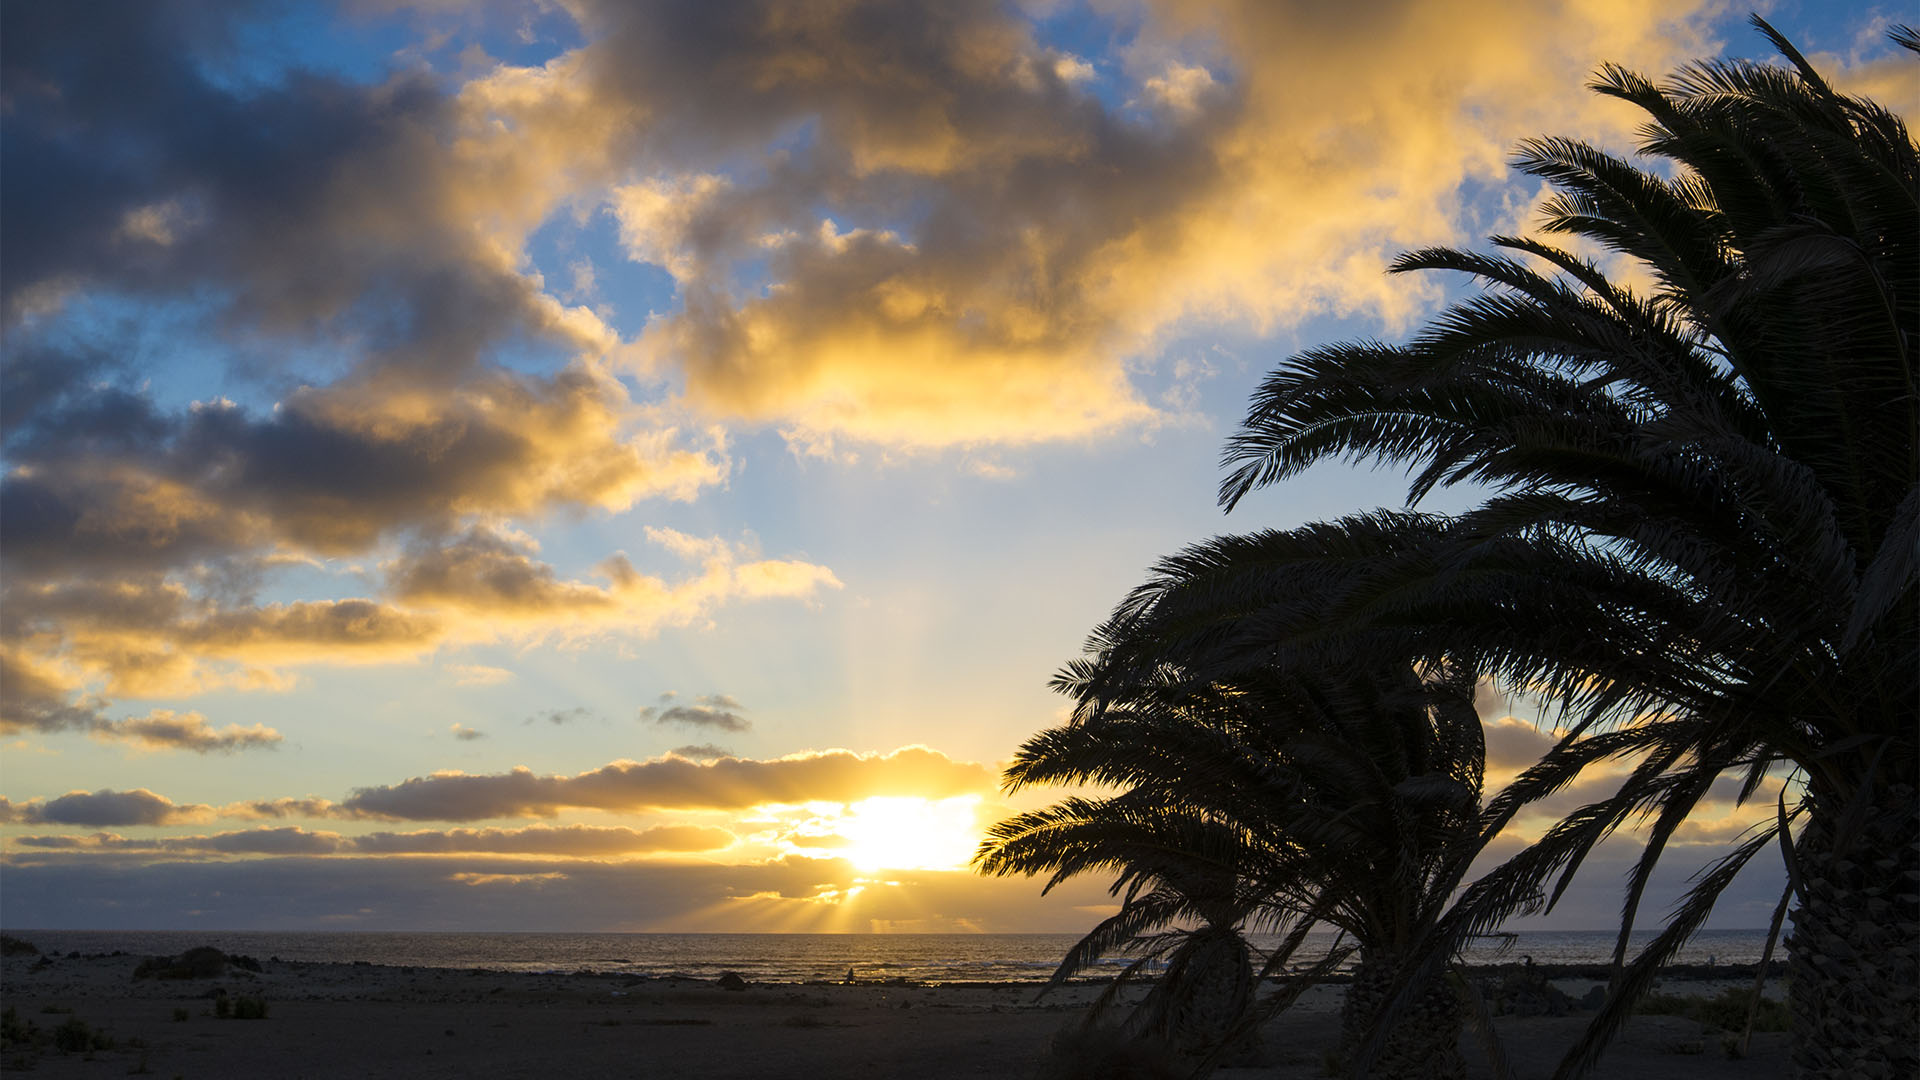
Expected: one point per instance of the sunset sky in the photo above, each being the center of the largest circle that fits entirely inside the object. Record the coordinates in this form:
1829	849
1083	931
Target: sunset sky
579	464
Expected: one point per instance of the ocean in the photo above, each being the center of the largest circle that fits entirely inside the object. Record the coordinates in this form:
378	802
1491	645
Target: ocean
777	958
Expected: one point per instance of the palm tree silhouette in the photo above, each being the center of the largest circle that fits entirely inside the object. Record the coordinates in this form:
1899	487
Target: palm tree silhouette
1274	803
1701	534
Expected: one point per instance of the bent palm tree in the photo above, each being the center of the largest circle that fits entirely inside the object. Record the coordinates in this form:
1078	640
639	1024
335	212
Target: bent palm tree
1282	803
1703	530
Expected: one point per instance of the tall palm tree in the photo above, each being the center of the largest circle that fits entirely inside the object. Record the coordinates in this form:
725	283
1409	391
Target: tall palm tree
1703	524
1339	800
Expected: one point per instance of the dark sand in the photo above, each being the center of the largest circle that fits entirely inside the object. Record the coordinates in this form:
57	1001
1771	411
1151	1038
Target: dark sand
354	1020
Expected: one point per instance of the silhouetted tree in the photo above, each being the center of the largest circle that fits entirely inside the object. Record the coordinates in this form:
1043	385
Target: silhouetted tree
1349	802
1702	528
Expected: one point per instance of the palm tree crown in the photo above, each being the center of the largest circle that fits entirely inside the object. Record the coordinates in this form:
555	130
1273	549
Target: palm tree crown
1277	802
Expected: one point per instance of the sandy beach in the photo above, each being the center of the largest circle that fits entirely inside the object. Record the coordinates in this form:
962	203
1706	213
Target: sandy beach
360	1020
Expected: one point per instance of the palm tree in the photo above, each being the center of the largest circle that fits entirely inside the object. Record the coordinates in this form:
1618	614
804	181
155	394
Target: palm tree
1282	804
1702	528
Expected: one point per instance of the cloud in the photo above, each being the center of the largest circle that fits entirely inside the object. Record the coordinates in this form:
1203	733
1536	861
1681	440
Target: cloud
968	242
294	202
672	782
715	711
145	636
158	890
1514	744
965	244
489	573
67	644
36	698
483	571
557	717
331	470
465	733
700	751
308	807
576	841
105	807
166	729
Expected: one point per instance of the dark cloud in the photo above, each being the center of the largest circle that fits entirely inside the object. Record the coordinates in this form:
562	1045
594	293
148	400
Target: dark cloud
164	728
673	782
579	841
483	571
700	751
283	841
465	733
106	807
309	807
489	892
558	717
484	892
285	213
331	470
715	711
130	167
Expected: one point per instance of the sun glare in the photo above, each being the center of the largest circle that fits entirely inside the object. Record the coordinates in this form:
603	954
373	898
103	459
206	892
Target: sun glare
885	833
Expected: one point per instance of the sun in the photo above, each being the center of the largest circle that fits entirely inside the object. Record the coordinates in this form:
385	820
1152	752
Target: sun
910	833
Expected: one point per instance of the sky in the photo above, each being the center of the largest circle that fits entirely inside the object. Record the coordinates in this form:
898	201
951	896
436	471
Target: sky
586	465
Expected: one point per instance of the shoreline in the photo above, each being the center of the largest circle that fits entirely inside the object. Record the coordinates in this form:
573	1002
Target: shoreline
362	1019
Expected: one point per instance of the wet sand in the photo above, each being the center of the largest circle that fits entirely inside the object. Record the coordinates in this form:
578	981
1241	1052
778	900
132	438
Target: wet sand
358	1020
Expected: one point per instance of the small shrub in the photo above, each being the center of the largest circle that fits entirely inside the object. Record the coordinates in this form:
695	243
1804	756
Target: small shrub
249	1008
223	1006
13	946
180	1015
14	1031
55	1010
78	1036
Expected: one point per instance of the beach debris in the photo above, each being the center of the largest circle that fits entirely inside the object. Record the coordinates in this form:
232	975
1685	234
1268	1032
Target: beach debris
730	980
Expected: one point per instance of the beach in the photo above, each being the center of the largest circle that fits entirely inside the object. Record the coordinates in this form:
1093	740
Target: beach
365	1020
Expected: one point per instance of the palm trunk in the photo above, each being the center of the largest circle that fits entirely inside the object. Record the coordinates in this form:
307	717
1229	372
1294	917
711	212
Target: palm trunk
1853	963
1423	1043
1214	991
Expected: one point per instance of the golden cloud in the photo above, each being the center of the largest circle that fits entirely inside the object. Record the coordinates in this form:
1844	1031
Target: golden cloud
152	636
1268	159
725	783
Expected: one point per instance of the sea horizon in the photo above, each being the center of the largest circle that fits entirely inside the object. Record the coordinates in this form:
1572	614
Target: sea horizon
946	957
